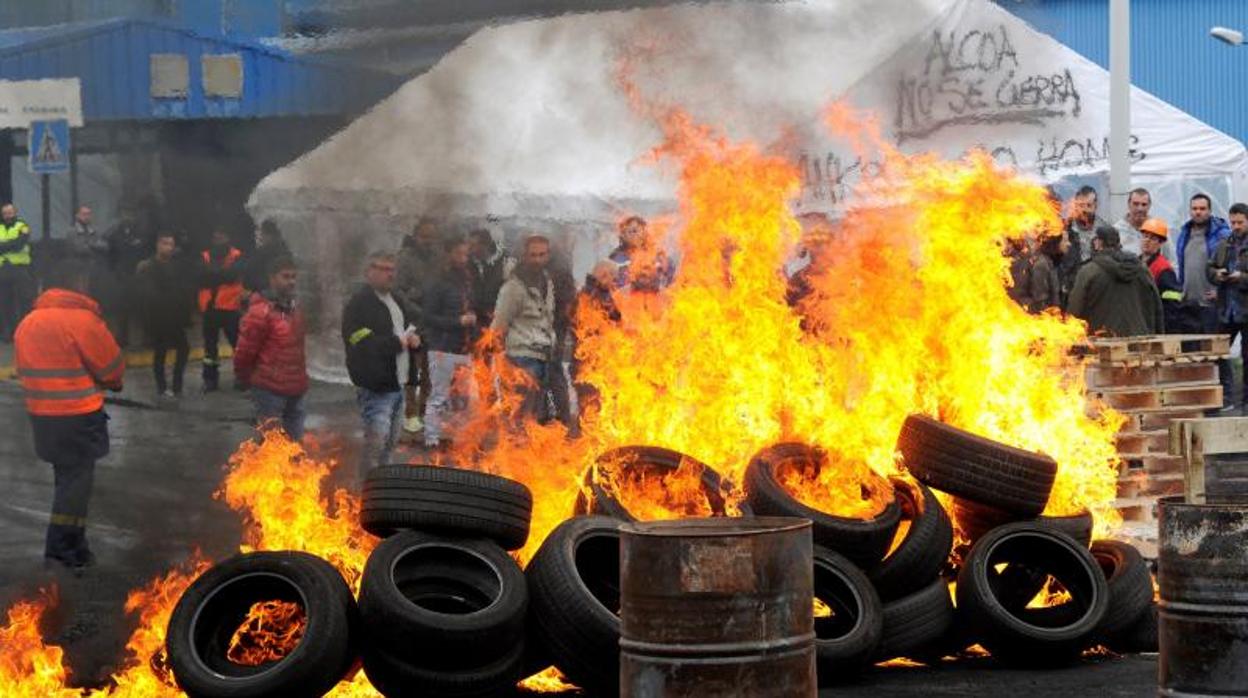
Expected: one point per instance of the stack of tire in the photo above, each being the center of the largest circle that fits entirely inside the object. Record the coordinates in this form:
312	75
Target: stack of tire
442	608
999	493
880	578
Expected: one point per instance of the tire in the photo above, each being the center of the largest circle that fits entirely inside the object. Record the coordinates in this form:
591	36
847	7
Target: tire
863	541
920	556
446	500
846	641
574	582
975	520
1140	637
916	625
214	604
448	603
966	465
396	678
1130	587
1042	636
596	500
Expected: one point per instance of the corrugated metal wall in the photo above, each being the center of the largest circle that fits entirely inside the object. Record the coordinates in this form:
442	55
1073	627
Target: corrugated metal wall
1172	54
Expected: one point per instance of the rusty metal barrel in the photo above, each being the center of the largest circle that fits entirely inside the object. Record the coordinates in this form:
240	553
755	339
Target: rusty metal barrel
1203	616
717	607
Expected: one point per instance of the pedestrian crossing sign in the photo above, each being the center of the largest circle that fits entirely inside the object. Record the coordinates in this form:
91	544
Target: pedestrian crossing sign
49	146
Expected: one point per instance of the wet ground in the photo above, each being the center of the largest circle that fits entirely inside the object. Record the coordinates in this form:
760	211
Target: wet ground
153	505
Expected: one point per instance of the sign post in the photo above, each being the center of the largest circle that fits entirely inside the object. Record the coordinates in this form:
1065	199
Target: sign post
49	150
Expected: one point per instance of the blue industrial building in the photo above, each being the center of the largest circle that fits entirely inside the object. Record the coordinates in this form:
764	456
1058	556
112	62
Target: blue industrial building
1172	54
178	125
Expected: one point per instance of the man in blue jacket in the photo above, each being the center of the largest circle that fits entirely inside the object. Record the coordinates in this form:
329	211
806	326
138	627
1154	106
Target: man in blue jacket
1198	239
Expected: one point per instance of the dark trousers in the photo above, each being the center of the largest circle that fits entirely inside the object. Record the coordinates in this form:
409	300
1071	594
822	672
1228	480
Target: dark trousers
161	344
1226	372
216	322
67	528
16	291
533	404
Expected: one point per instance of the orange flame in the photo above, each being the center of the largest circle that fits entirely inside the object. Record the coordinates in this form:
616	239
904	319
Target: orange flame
28	667
653	496
270	631
548	680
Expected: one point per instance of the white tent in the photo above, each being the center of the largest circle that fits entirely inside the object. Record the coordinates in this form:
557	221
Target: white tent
524	126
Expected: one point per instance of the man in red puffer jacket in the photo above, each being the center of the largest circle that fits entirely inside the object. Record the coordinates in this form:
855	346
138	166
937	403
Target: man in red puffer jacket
270	357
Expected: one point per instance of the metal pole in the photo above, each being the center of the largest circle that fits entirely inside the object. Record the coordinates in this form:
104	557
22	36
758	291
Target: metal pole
1119	106
73	181
45	195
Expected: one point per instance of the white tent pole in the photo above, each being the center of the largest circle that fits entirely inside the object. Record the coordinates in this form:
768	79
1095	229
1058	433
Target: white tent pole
1119	106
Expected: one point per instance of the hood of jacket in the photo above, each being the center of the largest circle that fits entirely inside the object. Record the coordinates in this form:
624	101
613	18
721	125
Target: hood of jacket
1123	266
64	298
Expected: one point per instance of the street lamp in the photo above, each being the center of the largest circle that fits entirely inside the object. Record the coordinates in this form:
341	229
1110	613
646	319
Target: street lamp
1230	36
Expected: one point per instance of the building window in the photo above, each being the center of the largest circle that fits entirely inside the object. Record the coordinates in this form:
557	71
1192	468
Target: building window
223	75
170	76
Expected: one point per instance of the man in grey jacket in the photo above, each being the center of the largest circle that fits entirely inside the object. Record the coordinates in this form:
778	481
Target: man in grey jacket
524	320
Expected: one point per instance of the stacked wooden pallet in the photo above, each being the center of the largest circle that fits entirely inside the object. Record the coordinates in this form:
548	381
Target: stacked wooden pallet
1153	381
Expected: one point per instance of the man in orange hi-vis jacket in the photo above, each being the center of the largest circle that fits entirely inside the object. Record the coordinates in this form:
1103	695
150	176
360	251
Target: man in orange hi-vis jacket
65	357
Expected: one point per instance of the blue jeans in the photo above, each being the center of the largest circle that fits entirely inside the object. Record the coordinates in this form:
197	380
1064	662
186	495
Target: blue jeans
383	418
288	408
533	398
445	409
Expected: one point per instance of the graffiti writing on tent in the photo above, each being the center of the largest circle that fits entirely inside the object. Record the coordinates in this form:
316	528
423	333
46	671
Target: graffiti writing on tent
975	77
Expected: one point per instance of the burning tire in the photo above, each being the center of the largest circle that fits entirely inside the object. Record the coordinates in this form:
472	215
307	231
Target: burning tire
848	628
439	602
1130	587
921	554
446	500
918	624
863	541
397	678
975	520
966	465
574	580
206	622
598	500
1030	636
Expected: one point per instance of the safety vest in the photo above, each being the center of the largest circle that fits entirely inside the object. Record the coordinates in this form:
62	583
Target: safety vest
64	354
9	233
225	296
1156	268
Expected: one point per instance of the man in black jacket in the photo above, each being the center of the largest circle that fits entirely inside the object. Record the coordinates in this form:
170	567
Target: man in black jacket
451	326
490	266
168	300
377	336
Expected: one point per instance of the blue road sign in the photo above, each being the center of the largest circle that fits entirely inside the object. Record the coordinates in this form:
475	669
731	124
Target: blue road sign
49	146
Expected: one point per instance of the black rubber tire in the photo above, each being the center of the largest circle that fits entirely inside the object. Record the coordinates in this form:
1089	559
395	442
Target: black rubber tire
863	541
977	519
1042	636
916	625
446	500
1140	637
984	471
1130	587
845	643
574	584
396	678
473	600
214	604
924	551
596	500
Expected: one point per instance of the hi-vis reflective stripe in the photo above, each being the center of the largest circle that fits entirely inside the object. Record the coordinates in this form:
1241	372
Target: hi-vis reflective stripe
112	365
61	394
1172	295
51	372
67	520
358	336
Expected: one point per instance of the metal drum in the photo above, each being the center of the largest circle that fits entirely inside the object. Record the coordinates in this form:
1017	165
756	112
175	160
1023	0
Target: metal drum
1203	617
717	607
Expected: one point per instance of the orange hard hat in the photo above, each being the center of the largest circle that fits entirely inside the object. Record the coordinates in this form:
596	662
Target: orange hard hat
1155	226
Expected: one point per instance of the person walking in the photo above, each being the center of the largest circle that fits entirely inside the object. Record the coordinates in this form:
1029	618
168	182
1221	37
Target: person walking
220	297
451	327
378	338
16	283
65	355
1114	292
270	358
168	301
524	324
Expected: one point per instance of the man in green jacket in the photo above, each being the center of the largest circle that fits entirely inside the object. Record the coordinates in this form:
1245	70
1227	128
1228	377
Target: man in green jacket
1114	292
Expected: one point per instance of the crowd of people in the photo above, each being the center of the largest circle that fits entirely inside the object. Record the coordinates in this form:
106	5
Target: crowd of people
1130	279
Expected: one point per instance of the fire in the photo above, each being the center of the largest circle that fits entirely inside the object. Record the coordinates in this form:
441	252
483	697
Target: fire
811	483
652	496
548	680
28	667
821	609
270	631
1051	594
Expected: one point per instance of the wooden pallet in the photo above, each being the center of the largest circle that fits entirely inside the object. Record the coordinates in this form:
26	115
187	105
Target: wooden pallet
1193	439
1146	351
1142	484
1139	444
1165	374
1164	397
